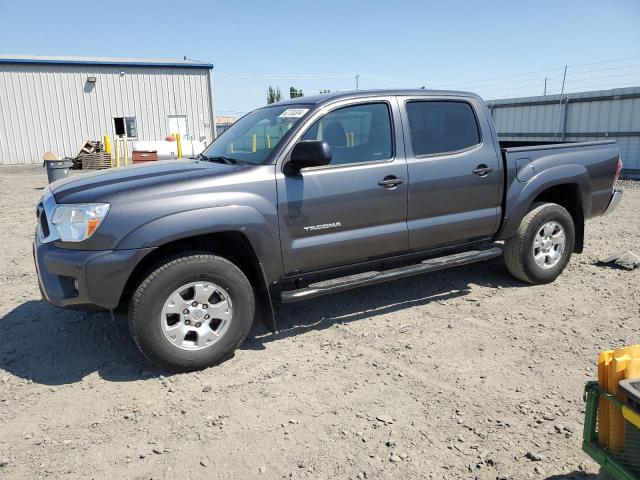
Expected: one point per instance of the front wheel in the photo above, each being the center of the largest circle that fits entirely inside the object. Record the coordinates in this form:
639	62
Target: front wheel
191	312
542	246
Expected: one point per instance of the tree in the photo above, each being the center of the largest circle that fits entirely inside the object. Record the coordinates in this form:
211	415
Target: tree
294	93
274	95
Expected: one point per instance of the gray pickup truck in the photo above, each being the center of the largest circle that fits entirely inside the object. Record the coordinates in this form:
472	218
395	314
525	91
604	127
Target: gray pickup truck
309	197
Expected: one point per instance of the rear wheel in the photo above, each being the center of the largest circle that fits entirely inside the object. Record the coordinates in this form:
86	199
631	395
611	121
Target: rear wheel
542	246
192	312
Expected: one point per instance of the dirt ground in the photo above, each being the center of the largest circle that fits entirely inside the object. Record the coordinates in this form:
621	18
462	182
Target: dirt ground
464	373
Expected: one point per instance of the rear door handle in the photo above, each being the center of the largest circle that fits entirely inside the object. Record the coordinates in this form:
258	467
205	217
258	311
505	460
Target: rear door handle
390	181
482	170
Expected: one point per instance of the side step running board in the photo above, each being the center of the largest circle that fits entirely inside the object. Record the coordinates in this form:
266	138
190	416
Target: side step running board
431	265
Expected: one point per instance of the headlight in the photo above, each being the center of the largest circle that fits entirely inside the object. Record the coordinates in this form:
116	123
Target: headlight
78	222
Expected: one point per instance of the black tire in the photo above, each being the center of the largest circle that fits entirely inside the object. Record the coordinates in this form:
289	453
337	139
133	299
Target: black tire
145	311
519	255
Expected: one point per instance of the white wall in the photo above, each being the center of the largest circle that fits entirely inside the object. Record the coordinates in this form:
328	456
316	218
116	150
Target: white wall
53	107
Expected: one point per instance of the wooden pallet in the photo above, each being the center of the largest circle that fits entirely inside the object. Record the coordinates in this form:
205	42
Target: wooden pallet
95	161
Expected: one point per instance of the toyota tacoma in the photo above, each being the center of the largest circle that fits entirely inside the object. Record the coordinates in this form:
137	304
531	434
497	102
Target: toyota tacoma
309	197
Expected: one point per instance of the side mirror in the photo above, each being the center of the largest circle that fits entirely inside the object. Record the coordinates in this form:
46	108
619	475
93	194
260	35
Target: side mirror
309	153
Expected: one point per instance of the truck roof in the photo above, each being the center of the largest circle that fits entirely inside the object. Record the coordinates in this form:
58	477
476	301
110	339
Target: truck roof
332	96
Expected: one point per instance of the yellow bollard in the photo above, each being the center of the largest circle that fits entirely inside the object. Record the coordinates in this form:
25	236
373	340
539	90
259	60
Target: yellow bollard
117	152
349	136
124	150
254	143
106	142
106	145
179	145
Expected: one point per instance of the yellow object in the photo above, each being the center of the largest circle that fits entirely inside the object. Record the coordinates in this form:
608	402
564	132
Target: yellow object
179	144
254	142
631	416
106	140
124	150
118	152
268	141
613	366
231	147
604	359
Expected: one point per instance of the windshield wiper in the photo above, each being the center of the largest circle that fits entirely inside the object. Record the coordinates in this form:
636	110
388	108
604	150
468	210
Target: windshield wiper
221	159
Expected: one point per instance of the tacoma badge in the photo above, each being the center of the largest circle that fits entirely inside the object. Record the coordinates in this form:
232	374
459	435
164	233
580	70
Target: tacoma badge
323	226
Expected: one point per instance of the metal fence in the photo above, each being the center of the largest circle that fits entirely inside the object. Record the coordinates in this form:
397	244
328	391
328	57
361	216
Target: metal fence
575	117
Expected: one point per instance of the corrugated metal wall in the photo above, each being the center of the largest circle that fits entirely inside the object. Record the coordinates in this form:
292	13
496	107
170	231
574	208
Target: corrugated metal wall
53	107
579	117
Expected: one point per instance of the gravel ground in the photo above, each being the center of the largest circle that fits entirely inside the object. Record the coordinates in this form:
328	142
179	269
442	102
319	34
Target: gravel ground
465	373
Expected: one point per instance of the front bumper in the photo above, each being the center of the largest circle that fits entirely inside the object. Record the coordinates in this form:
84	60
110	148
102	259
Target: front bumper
616	196
83	279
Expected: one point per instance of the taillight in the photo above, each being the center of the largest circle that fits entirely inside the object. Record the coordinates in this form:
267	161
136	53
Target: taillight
618	169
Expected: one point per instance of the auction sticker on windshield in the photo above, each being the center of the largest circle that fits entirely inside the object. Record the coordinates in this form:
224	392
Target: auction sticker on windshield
293	113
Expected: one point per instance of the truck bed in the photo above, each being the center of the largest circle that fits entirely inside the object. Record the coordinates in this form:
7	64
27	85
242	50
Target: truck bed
591	166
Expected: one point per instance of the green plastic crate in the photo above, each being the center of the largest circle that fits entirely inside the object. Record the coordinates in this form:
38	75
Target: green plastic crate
623	461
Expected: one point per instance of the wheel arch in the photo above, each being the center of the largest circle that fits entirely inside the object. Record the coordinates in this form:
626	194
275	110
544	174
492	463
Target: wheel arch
566	185
567	195
231	245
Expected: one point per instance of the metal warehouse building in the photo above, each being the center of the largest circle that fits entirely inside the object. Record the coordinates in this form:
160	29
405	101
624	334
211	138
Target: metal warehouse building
57	103
575	117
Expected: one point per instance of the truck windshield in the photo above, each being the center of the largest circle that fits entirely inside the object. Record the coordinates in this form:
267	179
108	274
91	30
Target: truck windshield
254	136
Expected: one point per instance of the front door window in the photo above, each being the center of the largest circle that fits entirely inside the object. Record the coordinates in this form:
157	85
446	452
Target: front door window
358	133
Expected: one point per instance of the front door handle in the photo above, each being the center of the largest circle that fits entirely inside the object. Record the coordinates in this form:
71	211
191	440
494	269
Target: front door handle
390	181
482	170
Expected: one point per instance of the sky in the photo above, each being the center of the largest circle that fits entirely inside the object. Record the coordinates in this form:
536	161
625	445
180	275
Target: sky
499	49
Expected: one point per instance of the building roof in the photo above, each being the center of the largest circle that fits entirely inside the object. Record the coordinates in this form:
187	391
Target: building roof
611	94
109	61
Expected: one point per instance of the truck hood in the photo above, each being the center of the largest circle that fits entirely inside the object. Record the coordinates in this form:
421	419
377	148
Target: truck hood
96	186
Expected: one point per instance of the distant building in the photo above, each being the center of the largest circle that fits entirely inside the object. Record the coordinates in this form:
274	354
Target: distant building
222	123
57	103
577	117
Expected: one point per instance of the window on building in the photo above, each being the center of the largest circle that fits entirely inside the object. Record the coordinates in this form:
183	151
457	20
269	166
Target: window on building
125	125
359	133
441	127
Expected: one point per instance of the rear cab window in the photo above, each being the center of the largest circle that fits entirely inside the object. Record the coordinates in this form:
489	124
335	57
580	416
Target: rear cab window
441	127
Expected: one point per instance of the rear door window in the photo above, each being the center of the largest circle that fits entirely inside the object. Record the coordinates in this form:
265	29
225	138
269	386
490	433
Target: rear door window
439	127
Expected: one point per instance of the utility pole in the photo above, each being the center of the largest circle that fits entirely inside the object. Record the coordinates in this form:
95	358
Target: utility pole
357	78
545	86
564	77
